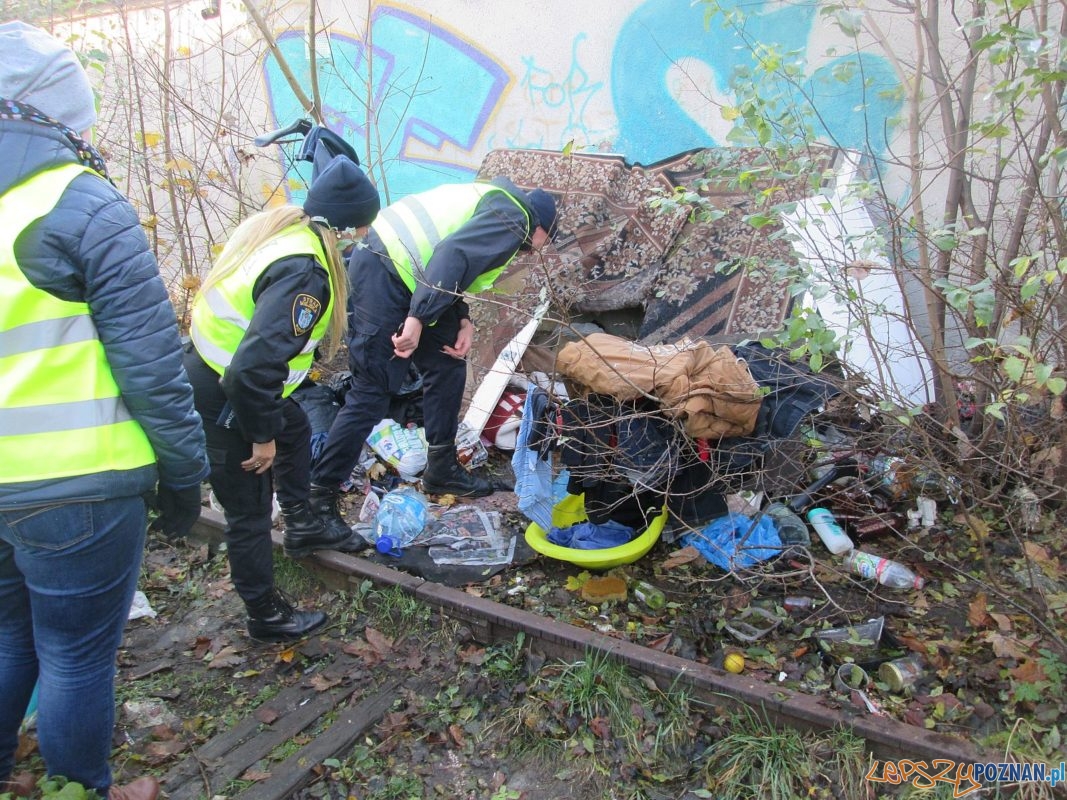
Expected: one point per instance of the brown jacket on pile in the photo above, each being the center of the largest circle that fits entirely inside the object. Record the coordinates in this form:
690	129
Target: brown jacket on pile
708	388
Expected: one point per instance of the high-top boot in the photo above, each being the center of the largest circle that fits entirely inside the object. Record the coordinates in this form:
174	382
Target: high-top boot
306	531
273	619
326	505
140	789
444	475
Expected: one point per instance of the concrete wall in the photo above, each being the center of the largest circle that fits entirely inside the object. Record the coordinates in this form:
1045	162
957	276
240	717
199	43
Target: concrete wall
451	79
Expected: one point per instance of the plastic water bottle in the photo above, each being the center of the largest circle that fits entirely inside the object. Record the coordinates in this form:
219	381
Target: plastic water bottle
791	528
832	534
401	517
886	571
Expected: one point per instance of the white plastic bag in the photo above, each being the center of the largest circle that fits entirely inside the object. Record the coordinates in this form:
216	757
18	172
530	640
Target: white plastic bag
404	449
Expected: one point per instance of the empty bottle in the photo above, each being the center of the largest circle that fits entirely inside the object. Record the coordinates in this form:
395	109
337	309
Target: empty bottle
887	572
402	516
832	534
791	528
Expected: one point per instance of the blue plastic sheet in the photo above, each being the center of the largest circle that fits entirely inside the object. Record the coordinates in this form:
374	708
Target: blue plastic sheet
735	541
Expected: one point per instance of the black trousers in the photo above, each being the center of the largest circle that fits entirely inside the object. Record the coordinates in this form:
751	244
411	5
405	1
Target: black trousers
379	306
246	497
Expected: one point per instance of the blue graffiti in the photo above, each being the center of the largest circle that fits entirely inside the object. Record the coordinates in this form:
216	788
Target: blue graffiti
565	101
418	119
660	34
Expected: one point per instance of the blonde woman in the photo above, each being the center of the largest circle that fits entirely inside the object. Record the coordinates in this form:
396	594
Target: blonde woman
277	291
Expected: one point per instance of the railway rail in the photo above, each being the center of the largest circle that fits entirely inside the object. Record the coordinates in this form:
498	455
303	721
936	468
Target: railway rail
491	622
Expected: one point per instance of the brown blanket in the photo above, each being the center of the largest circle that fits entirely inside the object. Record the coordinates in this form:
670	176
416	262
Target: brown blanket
707	387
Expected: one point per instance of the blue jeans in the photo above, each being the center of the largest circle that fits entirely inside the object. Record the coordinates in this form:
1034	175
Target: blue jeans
67	577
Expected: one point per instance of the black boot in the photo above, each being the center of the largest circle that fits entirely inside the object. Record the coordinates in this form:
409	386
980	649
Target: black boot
273	619
444	475
306	531
326	505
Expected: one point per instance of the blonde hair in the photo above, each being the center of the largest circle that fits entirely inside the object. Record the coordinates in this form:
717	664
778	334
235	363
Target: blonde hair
260	228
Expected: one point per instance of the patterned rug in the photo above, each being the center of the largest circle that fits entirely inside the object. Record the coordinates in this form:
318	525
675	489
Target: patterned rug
616	252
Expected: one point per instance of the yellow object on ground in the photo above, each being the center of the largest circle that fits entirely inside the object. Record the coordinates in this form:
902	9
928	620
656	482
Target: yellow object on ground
735	663
570	511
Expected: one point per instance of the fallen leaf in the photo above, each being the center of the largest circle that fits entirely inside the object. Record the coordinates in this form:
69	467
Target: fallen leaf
456	732
976	612
1003	621
164	732
1029	671
686	555
379	641
472	655
912	643
660	643
600	727
201	647
320	683
1005	647
1036	552
364	651
226	657
170	747
393	722
976	526
266	715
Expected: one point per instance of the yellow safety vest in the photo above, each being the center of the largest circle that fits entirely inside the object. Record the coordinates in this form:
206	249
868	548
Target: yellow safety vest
221	315
412	227
61	412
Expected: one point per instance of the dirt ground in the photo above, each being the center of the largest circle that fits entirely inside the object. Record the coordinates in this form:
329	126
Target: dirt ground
190	672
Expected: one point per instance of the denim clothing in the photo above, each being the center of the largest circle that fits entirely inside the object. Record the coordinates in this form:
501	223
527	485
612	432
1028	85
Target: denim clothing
67	577
379	305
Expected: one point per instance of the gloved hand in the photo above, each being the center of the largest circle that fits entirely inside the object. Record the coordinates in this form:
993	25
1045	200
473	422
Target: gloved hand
178	510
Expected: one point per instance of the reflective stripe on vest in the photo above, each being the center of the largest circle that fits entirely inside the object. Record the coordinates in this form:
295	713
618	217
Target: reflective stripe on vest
61	412
412	227
222	314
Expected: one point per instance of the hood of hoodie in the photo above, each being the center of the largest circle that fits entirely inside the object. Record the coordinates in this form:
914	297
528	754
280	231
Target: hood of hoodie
519	194
30	147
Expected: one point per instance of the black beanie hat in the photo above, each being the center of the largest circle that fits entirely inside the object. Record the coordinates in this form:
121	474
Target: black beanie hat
342	195
544	206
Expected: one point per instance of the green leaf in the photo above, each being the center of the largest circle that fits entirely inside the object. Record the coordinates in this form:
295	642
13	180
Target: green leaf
1056	385
1014	368
945	242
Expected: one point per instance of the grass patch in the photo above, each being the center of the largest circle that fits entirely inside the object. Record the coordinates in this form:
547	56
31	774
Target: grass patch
754	759
394	611
599	708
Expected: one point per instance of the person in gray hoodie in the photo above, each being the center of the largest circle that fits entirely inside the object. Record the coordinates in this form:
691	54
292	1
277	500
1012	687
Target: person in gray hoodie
96	416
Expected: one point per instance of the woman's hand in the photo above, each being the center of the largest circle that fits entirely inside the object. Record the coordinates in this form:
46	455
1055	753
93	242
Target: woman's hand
464	340
262	457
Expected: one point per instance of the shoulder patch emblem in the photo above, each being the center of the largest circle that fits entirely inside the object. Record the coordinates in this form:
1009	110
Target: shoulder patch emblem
306	310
